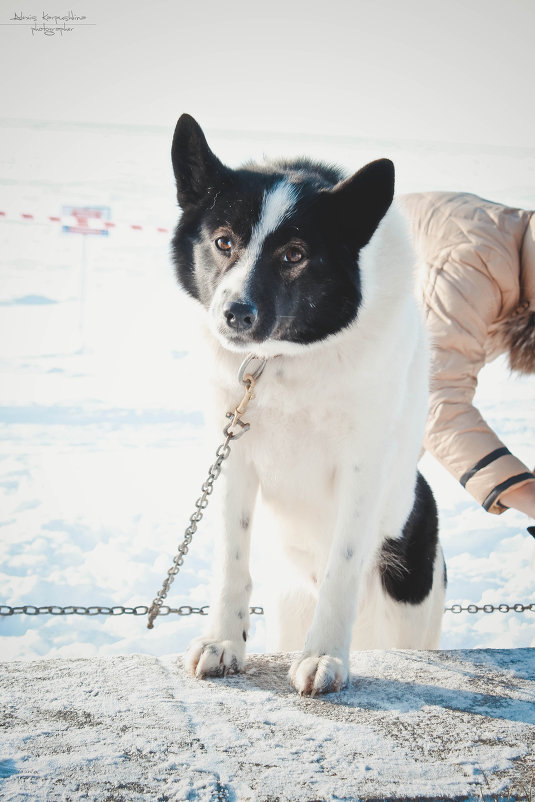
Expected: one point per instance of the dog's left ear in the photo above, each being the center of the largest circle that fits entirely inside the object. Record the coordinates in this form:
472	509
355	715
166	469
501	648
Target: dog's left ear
361	202
197	170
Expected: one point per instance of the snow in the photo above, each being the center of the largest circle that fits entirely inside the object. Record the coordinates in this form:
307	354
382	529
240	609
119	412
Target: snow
101	397
410	725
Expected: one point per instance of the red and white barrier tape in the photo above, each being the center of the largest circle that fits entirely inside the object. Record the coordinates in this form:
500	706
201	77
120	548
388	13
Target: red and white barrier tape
106	224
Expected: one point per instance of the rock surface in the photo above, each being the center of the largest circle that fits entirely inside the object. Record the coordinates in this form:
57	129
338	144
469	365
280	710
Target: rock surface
410	725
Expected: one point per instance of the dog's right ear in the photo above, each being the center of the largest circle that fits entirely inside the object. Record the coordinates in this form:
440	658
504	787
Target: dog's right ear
197	170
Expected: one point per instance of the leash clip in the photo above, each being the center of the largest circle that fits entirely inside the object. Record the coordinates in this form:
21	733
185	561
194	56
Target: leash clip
236	421
248	377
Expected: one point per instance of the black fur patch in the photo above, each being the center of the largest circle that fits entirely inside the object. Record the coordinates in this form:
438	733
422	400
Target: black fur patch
407	564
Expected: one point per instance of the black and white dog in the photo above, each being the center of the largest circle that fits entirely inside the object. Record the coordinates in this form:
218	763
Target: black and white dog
315	272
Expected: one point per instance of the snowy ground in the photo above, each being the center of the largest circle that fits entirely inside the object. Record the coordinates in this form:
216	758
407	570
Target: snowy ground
410	725
103	451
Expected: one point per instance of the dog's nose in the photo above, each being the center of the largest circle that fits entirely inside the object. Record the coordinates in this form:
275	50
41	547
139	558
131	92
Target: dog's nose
240	315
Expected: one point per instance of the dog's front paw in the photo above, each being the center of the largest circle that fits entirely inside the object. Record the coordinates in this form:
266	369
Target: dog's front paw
313	674
215	658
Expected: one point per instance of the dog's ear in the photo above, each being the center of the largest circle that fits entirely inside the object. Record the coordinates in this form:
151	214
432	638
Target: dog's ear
361	202
197	170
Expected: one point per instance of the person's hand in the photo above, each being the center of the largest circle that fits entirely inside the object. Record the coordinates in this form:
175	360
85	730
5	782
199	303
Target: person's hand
521	498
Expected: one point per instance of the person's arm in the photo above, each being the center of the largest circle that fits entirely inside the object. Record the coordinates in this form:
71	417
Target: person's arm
461	303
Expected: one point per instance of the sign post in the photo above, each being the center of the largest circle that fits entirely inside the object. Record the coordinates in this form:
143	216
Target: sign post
87	221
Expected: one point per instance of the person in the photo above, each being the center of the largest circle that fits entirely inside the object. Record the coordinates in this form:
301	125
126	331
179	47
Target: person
478	286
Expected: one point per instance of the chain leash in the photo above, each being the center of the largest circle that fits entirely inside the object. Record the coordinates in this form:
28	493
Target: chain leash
141	609
232	431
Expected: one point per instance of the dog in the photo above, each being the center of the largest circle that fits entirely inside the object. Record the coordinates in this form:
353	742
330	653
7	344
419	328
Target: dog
313	272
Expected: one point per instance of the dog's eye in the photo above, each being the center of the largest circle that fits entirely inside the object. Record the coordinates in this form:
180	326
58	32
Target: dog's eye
293	255
224	244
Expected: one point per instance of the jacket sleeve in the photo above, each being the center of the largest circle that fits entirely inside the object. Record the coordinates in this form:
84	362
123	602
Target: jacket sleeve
460	304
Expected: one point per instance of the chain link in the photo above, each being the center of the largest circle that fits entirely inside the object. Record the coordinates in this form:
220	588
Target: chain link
232	431
187	609
491	608
142	609
201	504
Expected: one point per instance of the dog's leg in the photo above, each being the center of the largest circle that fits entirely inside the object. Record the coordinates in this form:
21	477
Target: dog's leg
289	620
222	650
323	666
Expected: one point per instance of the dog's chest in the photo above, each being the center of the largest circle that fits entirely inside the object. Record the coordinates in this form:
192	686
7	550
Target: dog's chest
298	440
293	463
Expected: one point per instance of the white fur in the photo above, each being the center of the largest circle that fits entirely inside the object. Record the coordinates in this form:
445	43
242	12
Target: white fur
336	430
276	206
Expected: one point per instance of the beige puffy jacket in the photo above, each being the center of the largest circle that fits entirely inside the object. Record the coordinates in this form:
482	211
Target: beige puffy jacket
478	263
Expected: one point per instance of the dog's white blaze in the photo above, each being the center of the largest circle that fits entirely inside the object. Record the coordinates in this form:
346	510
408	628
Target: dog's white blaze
277	204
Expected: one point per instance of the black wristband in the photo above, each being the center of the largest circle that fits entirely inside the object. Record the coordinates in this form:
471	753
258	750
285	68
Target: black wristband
493	495
492	457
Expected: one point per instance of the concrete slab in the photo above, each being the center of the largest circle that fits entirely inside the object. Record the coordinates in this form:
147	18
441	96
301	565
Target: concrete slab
411	725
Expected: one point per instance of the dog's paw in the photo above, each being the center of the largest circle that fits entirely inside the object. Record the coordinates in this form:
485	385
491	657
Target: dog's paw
313	674
215	658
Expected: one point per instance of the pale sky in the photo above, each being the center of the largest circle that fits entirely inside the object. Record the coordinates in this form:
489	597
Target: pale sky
455	70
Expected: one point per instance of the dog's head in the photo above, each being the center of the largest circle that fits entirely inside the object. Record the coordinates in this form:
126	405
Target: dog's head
272	252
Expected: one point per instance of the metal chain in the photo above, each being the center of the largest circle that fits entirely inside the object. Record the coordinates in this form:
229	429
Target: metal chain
186	609
202	502
491	608
231	433
142	609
